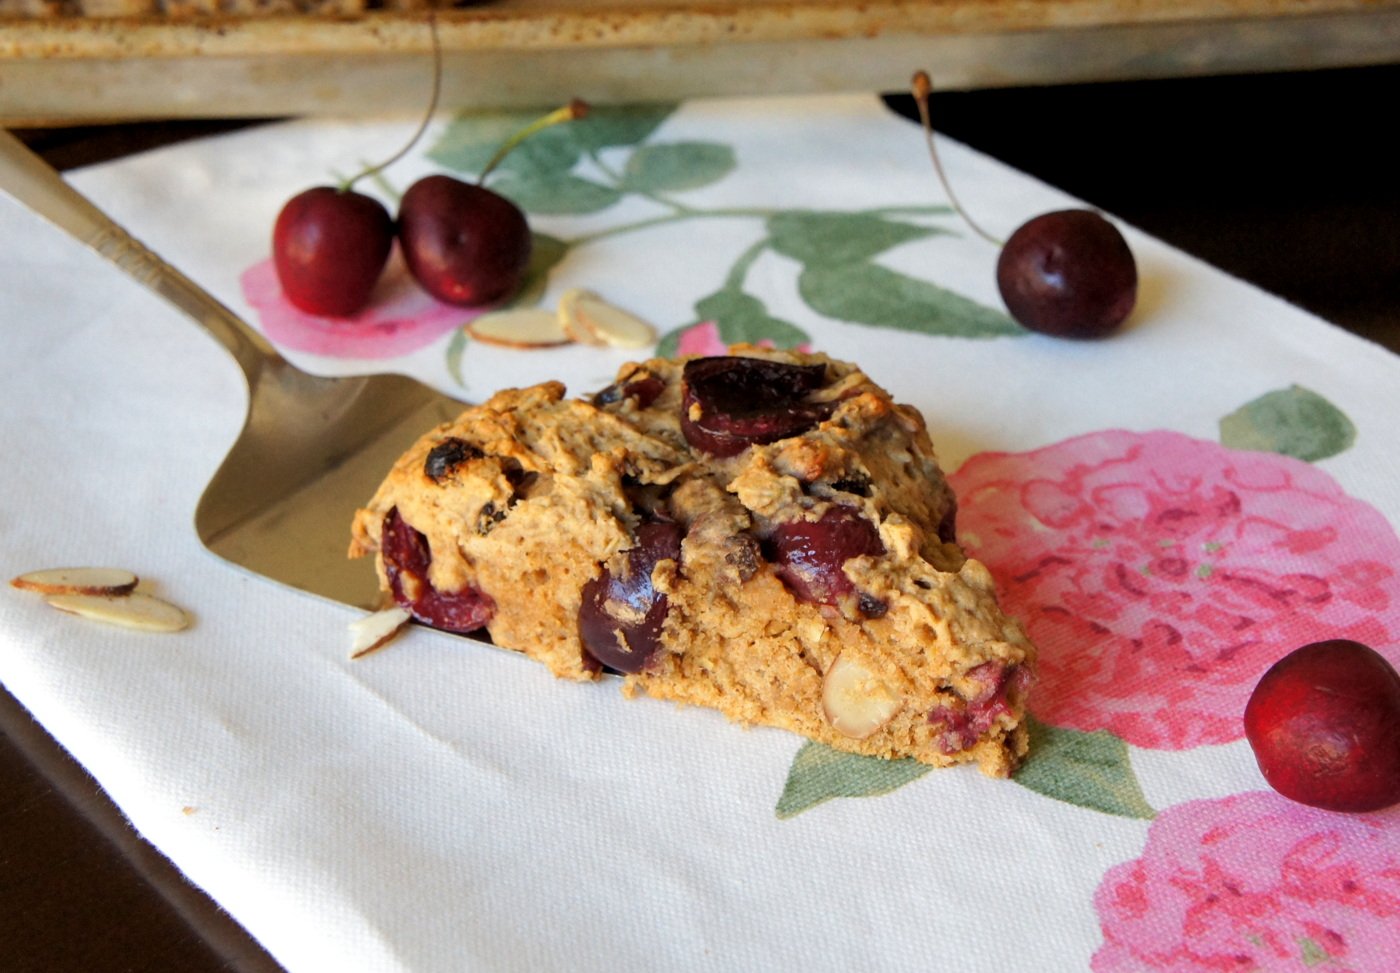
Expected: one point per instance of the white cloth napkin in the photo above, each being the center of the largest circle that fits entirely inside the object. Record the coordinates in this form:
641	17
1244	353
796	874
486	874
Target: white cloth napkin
440	806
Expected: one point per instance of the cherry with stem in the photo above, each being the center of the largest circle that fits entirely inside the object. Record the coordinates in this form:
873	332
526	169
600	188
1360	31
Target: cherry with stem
1067	273
464	243
330	244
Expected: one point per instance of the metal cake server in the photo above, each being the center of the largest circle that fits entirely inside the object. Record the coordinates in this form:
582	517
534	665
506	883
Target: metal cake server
311	450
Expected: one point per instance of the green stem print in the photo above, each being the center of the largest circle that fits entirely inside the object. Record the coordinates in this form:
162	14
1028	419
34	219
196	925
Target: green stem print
594	163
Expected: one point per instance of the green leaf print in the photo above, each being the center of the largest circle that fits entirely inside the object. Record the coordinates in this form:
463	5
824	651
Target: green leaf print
830	239
866	293
557	195
544	256
819	773
740	319
617	125
456	349
1089	770
1293	421
469	141
676	166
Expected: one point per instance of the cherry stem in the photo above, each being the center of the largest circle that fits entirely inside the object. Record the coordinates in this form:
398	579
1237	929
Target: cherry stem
422	125
923	88
573	110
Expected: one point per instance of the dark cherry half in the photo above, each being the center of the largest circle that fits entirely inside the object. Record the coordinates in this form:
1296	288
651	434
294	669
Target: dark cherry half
406	560
809	554
729	403
620	617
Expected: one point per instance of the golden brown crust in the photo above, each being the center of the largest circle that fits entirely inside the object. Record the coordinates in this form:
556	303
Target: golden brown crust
174	11
551	490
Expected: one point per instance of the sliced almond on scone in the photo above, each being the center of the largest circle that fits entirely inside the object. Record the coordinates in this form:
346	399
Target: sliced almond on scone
136	610
524	327
589	319
376	630
856	703
77	581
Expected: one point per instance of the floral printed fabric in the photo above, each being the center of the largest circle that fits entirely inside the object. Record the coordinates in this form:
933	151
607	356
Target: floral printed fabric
1160	570
1255	882
1160	575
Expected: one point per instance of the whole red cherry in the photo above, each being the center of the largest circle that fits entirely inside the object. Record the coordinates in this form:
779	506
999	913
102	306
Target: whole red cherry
1068	273
329	247
1324	723
462	242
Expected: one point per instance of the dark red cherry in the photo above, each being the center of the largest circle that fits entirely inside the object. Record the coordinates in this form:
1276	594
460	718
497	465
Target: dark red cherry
620	617
406	560
809	554
329	247
1068	273
1324	724
729	403
462	242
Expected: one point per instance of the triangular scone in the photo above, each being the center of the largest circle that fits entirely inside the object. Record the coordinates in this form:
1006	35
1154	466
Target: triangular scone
764	533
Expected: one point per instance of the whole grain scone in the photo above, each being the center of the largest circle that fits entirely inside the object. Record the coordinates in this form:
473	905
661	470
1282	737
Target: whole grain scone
765	533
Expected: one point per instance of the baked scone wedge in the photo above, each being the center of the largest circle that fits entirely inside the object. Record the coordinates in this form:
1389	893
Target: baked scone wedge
764	533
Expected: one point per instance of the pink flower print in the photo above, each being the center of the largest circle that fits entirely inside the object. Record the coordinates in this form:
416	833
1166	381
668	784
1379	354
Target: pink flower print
400	318
701	339
1160	575
1256	882
704	339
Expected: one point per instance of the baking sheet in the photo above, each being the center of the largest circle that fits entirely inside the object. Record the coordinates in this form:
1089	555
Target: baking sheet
531	52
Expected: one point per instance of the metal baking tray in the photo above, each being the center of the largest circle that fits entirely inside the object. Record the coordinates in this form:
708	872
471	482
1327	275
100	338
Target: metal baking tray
510	53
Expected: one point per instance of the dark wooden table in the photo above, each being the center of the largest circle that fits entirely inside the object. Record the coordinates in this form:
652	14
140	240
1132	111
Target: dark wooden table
1287	181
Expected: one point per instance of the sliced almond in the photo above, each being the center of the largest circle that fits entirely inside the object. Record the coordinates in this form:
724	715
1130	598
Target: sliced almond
136	610
590	319
77	581
569	318
855	701
525	327
376	630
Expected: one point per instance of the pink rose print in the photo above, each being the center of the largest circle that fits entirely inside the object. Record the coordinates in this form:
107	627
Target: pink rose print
400	318
1161	575
704	339
701	339
1256	882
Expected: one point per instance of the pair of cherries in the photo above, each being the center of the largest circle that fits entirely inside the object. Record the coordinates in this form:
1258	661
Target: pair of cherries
463	243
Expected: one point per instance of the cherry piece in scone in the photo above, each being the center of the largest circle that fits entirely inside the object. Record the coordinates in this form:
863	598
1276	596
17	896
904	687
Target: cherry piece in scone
621	615
640	385
329	247
960	722
809	554
1324	724
729	403
406	560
